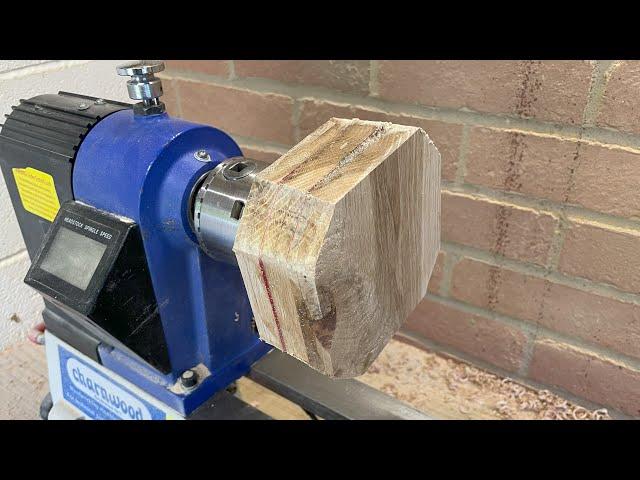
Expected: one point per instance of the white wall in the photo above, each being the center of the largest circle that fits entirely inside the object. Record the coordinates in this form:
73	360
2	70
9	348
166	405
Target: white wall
20	306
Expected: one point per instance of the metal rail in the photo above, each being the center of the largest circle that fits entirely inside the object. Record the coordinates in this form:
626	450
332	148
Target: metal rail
225	406
325	397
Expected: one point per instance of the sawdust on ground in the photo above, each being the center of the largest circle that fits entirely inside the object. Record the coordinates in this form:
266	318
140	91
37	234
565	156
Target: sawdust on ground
23	381
448	388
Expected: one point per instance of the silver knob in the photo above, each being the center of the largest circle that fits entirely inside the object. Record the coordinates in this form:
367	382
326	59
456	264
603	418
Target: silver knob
144	67
144	86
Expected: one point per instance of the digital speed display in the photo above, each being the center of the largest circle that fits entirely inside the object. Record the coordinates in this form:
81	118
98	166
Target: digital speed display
73	257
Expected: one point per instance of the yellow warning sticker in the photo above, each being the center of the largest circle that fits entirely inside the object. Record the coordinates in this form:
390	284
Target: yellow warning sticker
37	192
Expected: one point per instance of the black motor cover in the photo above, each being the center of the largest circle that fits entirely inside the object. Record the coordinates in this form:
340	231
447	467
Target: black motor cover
44	133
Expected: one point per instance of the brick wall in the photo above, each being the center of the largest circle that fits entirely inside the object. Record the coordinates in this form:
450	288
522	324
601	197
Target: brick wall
539	272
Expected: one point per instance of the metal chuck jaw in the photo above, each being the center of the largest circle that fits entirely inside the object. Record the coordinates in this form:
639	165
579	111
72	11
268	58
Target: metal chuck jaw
217	204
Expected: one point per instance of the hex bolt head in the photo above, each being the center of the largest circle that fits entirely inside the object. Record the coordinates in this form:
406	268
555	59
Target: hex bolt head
189	379
202	156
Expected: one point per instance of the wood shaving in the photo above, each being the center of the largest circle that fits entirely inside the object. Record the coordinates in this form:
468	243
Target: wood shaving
449	388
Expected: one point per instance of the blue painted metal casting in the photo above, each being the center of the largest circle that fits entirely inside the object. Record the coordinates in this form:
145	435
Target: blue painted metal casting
143	168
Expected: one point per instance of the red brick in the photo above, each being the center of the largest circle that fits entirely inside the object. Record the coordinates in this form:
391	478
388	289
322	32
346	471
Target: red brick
594	318
445	136
497	289
480	337
586	375
343	75
260	154
575	313
240	112
506	230
170	97
603	255
209	67
595	177
620	104
547	90
436	276
314	113
519	162
606	180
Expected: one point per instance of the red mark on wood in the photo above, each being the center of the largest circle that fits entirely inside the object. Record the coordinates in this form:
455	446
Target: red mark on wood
265	281
292	173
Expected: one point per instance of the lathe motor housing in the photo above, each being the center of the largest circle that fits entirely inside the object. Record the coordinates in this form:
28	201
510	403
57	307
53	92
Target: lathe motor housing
105	200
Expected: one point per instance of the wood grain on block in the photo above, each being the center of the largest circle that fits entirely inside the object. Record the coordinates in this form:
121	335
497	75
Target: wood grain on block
338	240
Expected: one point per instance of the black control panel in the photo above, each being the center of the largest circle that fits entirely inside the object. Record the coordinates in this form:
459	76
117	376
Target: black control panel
77	255
94	263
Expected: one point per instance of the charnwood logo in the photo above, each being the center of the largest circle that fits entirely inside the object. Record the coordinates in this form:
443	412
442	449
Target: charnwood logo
116	400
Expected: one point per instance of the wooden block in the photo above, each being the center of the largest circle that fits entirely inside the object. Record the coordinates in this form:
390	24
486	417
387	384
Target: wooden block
338	239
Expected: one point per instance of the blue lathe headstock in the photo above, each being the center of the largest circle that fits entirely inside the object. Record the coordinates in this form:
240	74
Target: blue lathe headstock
187	331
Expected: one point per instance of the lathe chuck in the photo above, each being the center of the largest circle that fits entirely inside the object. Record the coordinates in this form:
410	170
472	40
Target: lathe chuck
218	202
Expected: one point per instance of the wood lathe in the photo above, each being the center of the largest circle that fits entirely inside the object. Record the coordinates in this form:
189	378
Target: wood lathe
171	265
